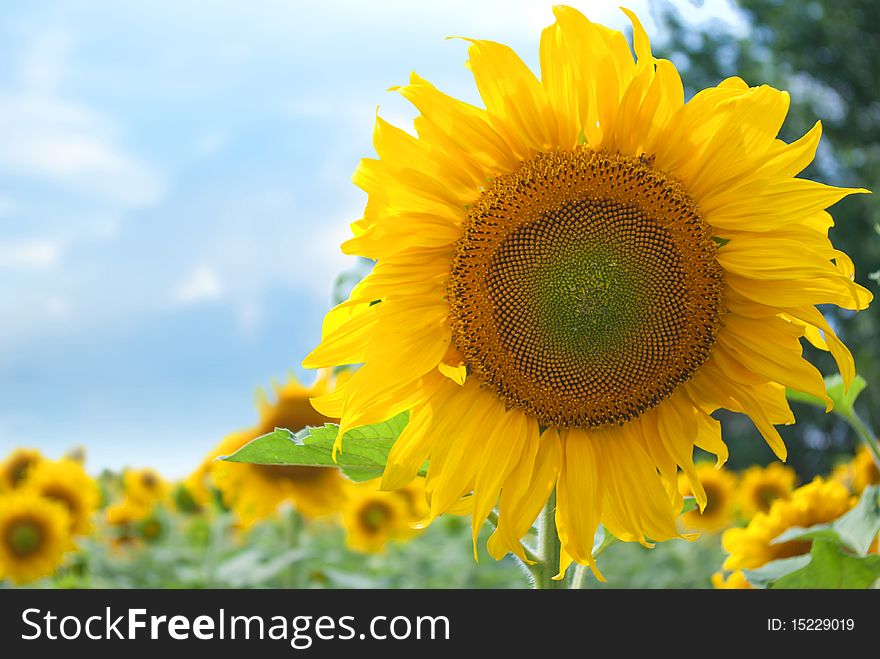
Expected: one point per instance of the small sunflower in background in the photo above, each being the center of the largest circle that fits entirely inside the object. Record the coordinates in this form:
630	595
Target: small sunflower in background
253	491
122	517
734	581
67	482
144	487
858	473
572	278
14	469
760	486
814	503
720	487
372	517
34	536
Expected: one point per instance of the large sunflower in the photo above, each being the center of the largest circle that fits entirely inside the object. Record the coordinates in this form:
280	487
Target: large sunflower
255	491
68	483
34	536
570	280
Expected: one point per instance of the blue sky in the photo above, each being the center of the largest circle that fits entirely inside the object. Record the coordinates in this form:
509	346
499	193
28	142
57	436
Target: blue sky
174	184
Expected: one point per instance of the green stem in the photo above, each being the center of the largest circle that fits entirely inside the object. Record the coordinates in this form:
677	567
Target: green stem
533	565
292	531
580	573
550	547
865	434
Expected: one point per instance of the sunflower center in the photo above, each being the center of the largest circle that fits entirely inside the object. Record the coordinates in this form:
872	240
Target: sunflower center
295	473
24	537
374	516
584	288
64	497
765	495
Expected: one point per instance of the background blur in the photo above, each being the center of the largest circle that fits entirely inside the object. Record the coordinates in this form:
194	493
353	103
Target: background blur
174	184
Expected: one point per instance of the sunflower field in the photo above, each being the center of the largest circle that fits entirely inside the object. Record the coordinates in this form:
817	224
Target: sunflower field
609	326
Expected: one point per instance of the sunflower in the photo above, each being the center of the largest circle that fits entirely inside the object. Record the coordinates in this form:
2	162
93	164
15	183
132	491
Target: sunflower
254	491
123	518
720	487
34	536
858	473
761	486
372	517
734	581
68	483
569	281
144	487
14	469
814	503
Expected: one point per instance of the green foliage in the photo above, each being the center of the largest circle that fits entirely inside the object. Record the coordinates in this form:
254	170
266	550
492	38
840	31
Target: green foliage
831	567
362	457
808	48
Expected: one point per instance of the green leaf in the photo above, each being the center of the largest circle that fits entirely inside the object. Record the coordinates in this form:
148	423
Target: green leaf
363	455
843	400
765	575
860	526
802	533
690	503
831	567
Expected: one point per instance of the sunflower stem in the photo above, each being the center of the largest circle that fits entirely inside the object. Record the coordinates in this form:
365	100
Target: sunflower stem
548	540
532	564
865	433
292	531
577	581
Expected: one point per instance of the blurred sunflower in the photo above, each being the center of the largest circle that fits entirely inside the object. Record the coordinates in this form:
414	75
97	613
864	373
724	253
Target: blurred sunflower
858	473
14	469
144	487
569	281
67	482
734	581
254	491
761	486
814	503
720	487
123	517
372	517
34	536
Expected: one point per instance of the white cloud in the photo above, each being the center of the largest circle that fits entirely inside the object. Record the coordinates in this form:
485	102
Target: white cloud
70	145
30	255
49	136
202	284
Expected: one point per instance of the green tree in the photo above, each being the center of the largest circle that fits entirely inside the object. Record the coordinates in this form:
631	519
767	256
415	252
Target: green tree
827	54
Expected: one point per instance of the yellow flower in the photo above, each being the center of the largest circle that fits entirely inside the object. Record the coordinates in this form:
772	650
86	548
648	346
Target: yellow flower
734	581
372	517
720	487
253	491
34	536
123	517
814	503
859	473
68	483
144	487
761	486
569	281
14	469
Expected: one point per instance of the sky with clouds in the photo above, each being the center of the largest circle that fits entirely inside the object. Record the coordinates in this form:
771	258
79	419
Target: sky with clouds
174	184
